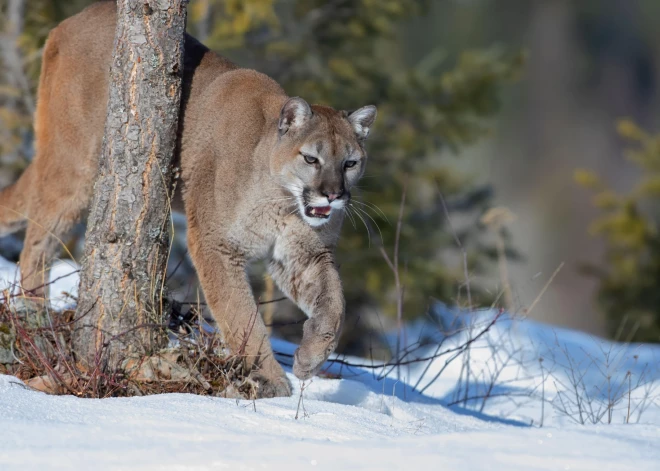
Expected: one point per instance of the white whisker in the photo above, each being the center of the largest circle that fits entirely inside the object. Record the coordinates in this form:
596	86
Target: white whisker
365	225
374	221
283	198
350	217
372	207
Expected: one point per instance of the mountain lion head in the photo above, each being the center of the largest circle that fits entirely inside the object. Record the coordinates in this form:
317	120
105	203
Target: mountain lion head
320	156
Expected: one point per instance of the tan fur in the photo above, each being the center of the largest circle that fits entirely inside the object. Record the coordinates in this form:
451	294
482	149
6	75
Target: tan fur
246	185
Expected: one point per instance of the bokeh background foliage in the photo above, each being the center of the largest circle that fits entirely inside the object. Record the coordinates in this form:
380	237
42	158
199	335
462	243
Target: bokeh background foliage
629	276
344	53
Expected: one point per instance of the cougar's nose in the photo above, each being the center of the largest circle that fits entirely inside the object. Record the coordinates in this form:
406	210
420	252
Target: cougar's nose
333	196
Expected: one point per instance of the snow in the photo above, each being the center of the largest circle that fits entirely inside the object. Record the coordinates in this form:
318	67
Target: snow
348	426
507	359
360	422
63	281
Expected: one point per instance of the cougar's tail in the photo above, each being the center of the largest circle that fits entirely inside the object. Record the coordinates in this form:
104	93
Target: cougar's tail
14	204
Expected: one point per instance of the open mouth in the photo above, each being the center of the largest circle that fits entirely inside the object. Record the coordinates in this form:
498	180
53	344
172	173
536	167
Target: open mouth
322	212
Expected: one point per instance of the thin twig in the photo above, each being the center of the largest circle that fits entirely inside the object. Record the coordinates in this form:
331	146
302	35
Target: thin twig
301	404
459	244
394	266
545	287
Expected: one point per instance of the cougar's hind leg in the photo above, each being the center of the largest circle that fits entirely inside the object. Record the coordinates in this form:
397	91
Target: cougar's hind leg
68	131
13	204
53	212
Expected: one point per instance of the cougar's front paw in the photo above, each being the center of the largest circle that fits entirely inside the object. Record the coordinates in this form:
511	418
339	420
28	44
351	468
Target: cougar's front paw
275	387
306	364
319	341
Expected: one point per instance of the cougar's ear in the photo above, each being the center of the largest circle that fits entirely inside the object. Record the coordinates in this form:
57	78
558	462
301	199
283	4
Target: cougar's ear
362	119
294	115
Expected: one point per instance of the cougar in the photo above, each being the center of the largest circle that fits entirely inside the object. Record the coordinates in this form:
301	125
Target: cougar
263	176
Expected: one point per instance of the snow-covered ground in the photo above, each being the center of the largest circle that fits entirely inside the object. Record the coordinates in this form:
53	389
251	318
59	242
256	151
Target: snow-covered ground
62	283
348	426
363	422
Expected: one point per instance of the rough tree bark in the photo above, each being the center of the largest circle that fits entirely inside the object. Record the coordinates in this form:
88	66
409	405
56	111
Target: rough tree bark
127	238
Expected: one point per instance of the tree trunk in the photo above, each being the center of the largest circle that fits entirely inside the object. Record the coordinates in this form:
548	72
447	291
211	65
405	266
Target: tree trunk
127	239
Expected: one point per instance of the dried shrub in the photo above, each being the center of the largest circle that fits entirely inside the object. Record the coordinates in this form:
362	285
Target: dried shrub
36	347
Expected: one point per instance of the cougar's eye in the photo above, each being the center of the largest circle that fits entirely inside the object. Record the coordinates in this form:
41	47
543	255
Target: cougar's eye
309	159
350	163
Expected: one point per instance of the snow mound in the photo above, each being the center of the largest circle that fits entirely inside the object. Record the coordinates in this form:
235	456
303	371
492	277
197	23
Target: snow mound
541	374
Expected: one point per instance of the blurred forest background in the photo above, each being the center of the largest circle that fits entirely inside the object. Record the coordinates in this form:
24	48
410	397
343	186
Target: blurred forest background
516	133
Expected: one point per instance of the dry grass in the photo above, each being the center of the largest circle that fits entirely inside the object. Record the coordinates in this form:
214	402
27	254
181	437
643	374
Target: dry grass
36	347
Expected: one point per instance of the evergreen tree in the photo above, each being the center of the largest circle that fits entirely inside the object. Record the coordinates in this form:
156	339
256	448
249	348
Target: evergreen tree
629	279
